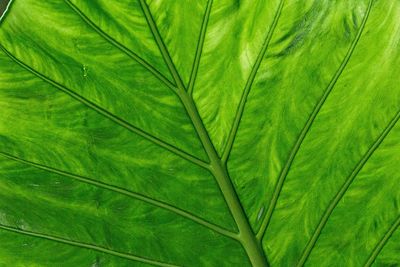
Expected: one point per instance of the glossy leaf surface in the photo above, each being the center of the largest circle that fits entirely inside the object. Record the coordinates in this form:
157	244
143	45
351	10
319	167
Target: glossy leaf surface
200	133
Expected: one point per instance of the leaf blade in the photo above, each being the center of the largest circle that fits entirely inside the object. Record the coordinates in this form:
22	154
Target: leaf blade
107	159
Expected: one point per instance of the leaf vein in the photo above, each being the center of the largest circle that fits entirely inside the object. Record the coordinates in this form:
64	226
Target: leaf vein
307	126
119	190
85	245
382	243
199	49
339	195
121	47
109	115
161	45
218	170
249	83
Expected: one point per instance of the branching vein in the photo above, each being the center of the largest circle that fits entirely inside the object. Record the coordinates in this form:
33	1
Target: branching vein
218	170
109	115
128	193
85	245
382	243
343	190
124	49
161	45
199	48
249	83
307	126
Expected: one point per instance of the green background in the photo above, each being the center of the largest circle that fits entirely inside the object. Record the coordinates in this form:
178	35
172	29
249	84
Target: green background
195	133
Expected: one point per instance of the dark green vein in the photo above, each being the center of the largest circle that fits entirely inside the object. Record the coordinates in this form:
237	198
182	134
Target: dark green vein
181	92
246	236
221	175
199	49
161	45
307	126
109	115
343	190
124	49
249	83
382	243
85	245
128	193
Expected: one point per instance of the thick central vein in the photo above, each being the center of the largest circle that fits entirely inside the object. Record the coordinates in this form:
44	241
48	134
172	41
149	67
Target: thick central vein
218	169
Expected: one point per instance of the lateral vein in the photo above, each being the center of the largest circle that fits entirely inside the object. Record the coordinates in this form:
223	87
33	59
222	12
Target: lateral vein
307	126
85	245
161	45
339	195
109	115
128	193
382	243
249	83
199	49
123	48
171	66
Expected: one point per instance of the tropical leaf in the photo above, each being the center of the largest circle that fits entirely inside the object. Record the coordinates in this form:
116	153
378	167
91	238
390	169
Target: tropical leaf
200	133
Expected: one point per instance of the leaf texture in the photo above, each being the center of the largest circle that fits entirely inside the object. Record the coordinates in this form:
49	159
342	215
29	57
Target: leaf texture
199	133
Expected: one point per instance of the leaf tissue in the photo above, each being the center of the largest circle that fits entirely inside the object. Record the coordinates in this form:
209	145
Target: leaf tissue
200	133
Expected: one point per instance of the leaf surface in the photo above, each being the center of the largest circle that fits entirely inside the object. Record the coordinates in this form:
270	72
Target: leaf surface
199	133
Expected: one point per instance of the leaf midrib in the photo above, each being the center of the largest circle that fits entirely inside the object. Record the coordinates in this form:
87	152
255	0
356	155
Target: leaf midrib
218	168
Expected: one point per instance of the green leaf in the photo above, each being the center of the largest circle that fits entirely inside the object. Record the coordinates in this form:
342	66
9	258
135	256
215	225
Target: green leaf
199	133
